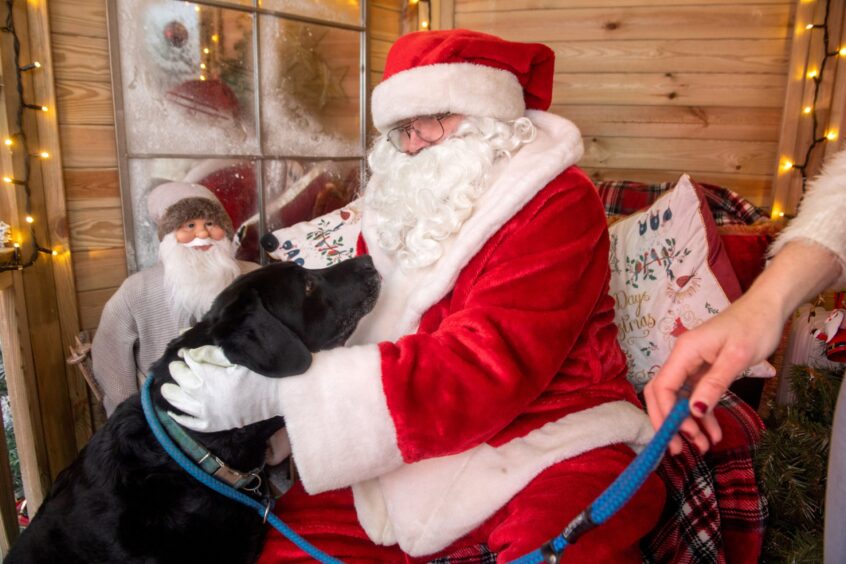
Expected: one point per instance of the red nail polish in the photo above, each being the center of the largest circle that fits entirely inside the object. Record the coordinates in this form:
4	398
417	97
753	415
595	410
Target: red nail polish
700	407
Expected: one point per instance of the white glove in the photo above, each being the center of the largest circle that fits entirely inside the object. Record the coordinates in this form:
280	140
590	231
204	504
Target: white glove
217	395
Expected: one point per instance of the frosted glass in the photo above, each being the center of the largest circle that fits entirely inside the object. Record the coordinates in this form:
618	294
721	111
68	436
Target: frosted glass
302	190
309	89
341	11
188	78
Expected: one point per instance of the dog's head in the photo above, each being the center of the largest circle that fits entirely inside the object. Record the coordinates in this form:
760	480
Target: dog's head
272	319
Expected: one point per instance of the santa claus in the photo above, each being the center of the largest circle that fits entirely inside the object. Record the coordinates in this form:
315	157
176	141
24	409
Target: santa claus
484	402
196	261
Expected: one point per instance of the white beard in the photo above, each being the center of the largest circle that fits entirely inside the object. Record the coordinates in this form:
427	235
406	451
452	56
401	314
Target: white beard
194	278
421	201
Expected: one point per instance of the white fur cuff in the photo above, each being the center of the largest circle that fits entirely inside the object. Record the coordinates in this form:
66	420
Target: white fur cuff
338	421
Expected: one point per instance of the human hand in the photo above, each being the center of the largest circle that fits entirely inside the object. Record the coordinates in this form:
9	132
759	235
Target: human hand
217	395
709	358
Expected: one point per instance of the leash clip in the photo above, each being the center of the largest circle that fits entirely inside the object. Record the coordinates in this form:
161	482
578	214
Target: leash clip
550	555
268	503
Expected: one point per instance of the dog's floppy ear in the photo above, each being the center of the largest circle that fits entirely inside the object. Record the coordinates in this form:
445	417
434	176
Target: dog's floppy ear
252	337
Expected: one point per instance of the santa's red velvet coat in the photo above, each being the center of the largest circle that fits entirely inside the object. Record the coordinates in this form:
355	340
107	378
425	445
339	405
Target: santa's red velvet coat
480	371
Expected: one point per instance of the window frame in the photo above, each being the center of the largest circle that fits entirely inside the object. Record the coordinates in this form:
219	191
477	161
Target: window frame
124	156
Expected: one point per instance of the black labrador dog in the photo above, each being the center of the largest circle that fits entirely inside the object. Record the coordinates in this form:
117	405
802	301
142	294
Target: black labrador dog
125	500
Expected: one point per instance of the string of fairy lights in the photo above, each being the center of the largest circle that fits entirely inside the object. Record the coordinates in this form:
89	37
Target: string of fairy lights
424	13
17	141
816	75
215	38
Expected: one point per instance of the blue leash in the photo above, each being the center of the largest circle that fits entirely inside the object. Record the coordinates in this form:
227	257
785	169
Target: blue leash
223	489
618	493
607	504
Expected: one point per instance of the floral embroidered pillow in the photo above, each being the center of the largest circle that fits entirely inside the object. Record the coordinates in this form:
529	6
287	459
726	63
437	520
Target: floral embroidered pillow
669	273
323	241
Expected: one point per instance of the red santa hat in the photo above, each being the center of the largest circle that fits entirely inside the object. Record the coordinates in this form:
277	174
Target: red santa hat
173	203
462	72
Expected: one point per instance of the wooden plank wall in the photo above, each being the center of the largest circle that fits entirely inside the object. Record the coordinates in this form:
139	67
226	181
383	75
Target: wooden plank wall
661	87
824	98
385	27
85	114
86	126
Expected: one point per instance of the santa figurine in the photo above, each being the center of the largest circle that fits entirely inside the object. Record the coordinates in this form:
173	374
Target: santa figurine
151	307
483	403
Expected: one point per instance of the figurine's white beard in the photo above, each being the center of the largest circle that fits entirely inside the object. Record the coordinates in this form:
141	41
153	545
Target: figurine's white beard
421	201
194	278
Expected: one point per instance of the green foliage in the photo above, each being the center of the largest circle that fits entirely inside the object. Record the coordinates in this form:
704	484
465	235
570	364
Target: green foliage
791	464
11	446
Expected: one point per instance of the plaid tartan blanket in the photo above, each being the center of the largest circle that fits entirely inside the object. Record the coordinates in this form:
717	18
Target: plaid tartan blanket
623	197
714	512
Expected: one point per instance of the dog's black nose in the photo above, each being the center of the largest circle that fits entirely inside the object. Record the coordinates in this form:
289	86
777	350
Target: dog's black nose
269	242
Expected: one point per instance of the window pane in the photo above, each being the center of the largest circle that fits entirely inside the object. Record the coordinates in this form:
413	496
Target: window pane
298	191
232	181
310	89
343	11
187	72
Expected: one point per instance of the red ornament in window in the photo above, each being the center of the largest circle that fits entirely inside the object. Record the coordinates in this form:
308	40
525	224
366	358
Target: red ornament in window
175	33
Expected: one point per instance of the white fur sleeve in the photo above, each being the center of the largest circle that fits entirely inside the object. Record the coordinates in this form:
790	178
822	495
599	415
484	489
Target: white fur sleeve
337	418
822	214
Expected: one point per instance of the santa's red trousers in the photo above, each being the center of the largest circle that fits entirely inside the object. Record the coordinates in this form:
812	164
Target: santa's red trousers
535	515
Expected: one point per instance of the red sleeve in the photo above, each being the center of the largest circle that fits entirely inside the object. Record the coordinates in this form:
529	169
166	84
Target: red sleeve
515	313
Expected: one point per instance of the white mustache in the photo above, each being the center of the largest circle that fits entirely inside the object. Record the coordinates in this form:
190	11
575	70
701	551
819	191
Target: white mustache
199	243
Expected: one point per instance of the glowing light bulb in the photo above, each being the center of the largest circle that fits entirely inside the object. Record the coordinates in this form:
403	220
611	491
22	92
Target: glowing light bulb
206	50
203	66
812	74
202	77
809	26
831	135
807	110
8	142
424	24
55	253
215	38
29	219
788	165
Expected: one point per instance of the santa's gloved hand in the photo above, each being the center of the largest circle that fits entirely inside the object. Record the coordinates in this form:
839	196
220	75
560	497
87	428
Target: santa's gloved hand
217	395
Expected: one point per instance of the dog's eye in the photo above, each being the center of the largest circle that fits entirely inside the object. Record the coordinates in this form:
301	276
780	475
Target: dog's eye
310	286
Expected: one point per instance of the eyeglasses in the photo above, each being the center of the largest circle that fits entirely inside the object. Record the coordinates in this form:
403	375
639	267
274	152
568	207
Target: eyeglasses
428	129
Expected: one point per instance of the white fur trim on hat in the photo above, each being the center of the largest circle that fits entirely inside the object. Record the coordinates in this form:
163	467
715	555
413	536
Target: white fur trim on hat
337	418
458	88
165	195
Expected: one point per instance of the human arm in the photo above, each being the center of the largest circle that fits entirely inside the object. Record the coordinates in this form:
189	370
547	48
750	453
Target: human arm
809	258
113	352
